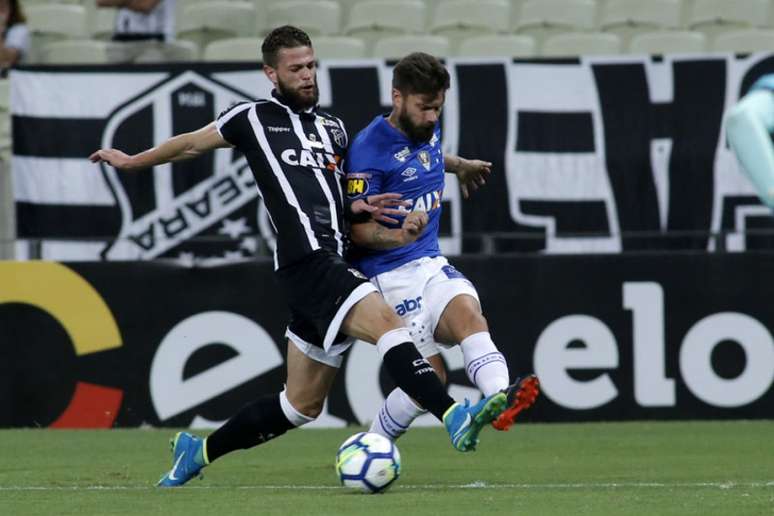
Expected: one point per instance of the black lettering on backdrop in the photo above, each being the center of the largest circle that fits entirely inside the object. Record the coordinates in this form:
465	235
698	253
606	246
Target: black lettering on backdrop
483	132
631	122
193	107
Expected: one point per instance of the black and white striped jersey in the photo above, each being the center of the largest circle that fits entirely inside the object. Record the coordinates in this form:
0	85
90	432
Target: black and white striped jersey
295	158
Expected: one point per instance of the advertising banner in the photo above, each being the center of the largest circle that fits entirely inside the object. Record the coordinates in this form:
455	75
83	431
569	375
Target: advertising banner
600	154
612	337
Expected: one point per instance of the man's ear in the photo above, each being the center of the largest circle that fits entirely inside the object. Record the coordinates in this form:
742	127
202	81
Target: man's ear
271	73
397	98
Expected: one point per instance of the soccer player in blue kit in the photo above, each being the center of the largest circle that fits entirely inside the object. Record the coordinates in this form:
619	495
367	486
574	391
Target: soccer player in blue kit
402	153
749	127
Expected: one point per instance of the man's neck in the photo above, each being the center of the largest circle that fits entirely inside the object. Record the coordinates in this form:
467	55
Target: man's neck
394	121
285	100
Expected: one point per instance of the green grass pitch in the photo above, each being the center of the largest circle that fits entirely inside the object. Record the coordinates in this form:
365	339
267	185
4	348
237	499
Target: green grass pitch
708	468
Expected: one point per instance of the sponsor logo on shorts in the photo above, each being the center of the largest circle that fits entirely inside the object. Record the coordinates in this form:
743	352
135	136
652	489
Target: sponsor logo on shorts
452	273
408	305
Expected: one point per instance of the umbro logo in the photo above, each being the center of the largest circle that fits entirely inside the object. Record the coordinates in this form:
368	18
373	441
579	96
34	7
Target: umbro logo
409	174
274	129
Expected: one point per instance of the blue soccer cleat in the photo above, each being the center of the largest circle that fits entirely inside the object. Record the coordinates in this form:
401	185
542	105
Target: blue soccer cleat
185	448
464	422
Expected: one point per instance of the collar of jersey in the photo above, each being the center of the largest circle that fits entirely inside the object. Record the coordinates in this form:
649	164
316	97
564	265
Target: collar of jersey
284	101
393	133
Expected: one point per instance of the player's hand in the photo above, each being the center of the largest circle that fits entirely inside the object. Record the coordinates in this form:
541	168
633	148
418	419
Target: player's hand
381	206
413	225
112	157
472	173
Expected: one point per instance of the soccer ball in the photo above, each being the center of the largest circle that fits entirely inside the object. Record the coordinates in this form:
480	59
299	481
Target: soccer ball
369	462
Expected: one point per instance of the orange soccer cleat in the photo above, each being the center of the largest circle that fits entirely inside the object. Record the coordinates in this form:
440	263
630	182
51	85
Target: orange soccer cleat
521	395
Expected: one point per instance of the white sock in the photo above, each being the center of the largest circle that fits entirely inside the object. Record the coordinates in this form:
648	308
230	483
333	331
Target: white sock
294	416
484	364
391	339
395	415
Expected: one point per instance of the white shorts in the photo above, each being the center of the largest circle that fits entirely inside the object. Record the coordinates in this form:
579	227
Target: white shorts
419	292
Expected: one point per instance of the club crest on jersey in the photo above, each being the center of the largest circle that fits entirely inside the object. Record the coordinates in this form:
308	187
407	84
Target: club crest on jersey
338	137
402	155
424	159
357	184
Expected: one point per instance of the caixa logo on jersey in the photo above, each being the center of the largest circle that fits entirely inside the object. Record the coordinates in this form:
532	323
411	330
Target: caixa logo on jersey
174	202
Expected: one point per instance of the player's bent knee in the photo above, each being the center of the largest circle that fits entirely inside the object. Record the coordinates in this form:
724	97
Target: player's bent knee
390	319
300	412
370	318
472	322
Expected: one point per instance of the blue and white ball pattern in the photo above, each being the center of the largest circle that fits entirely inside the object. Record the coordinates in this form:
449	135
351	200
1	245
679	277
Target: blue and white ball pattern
368	462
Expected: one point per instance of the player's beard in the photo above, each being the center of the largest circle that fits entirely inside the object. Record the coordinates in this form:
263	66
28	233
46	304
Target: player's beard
298	98
415	132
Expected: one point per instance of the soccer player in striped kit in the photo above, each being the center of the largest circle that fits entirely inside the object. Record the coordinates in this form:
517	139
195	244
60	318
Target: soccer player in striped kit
294	150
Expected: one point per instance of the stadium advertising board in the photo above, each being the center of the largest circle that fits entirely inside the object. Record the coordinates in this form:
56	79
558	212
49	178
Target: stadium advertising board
612	337
589	155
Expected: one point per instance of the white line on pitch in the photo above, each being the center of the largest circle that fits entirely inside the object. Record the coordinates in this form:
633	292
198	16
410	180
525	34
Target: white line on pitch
473	485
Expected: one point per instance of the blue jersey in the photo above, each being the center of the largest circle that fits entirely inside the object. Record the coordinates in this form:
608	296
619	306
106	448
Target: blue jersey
381	159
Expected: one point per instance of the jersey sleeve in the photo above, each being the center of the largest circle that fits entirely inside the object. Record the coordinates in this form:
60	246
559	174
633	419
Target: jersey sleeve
364	178
231	121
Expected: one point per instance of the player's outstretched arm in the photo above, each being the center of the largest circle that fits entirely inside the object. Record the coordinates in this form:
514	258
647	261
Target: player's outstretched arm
471	173
373	235
180	147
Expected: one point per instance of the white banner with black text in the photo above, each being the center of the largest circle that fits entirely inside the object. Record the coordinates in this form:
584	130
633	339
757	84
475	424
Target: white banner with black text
602	154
